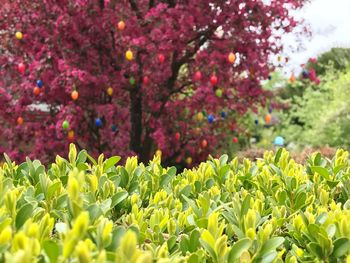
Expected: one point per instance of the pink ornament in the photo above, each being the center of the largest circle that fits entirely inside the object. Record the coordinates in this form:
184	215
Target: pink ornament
21	68
214	80
198	76
161	58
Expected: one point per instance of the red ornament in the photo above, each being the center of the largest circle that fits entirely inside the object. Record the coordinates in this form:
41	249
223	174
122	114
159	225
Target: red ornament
121	25
36	91
177	136
161	58
214	80
21	68
235	139
198	76
204	143
146	80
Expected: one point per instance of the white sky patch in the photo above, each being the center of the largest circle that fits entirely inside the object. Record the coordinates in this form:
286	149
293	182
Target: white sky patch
329	23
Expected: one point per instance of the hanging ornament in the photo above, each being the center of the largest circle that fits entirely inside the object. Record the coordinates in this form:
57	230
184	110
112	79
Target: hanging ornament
74	95
270	109
269	77
292	78
121	25
214	80
177	136
70	135
159	153
36	91
232	58
286	59
146	80
21	68
305	73
20	120
268	118
197	131
39	83
132	81
218	93
204	143
235	139
210	118
110	91
279	141
65	125
98	122
256	122
197	76
200	116
189	160
161	58
114	128
279	58
19	35
223	114
129	55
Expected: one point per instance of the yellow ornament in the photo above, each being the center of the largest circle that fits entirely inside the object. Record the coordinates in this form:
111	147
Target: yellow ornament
129	55
110	91
159	153
19	35
189	160
200	116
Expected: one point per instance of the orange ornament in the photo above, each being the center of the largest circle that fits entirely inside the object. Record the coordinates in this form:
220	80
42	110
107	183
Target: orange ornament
292	78
121	25
36	91
197	131
268	118
20	120
70	135
204	143
232	58
74	95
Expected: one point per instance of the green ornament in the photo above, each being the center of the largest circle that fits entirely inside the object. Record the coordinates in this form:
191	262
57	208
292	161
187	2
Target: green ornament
218	93
65	125
132	81
204	113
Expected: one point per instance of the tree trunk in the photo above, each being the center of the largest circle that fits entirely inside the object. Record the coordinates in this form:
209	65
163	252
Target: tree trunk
136	122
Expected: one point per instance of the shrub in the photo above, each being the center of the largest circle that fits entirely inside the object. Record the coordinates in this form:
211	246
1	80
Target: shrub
86	210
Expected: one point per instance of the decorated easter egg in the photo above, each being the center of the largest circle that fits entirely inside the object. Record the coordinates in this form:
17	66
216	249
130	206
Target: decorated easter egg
39	83
132	81
232	58
65	125
204	143
21	68
20	120
19	35
161	58
218	93
114	128
189	160
235	139
36	91
200	116
98	122
129	55
268	118
177	136
210	118
198	76
110	91
74	95
121	25
214	80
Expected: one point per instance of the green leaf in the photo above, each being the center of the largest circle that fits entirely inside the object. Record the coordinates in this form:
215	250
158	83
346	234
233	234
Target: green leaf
124	176
300	200
271	245
223	159
94	212
341	247
118	198
245	206
321	171
269	257
315	249
278	155
23	214
209	249
110	162
317	160
52	250
185	191
82	156
321	219
238	248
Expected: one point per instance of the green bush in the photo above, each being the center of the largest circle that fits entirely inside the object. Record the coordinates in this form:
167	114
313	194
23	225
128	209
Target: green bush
86	210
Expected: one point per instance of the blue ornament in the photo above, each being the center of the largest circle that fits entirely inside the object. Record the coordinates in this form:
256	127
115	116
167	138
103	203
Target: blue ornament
98	122
305	73
223	114
256	121
210	118
270	109
279	141
114	128
39	83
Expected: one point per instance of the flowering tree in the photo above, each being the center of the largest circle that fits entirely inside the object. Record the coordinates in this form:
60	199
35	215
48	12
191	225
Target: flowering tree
130	77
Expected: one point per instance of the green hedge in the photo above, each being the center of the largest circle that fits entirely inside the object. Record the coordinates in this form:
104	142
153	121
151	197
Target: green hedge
86	210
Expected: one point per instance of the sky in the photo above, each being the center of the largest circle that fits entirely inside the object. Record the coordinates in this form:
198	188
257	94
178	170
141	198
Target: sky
329	23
